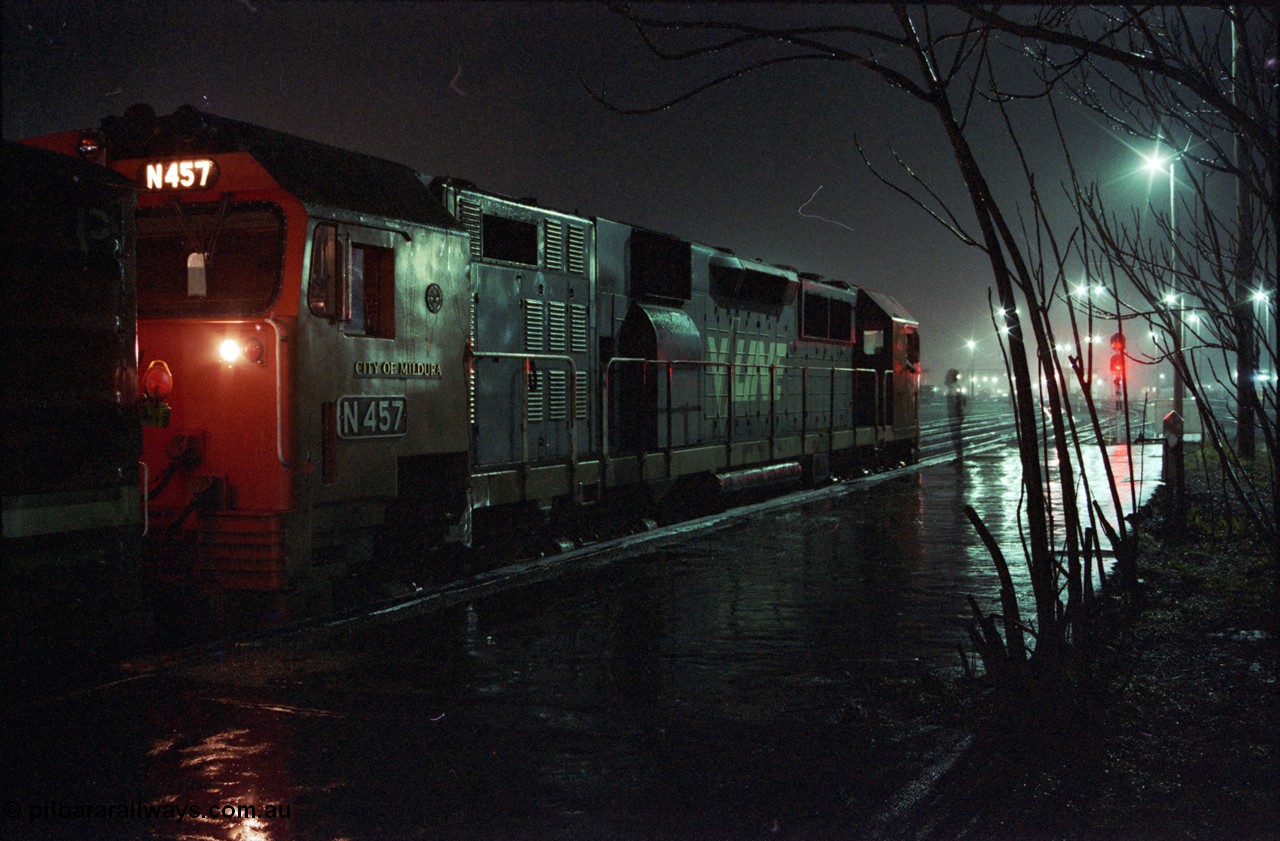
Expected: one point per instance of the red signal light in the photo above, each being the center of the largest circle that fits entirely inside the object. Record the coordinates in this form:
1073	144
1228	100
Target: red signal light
157	382
1117	364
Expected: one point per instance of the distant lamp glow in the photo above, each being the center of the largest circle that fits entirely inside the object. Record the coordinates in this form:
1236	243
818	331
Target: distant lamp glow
229	350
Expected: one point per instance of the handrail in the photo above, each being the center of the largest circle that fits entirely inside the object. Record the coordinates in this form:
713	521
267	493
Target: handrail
669	364
886	421
524	393
879	415
146	501
881	380
279	394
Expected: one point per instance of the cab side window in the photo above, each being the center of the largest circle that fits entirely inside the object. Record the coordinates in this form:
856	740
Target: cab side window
352	283
322	286
372	292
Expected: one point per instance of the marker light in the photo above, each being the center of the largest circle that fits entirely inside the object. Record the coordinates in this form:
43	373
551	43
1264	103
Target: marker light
229	350
157	382
253	350
89	145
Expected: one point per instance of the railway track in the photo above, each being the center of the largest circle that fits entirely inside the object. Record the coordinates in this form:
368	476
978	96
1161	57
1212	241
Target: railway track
980	432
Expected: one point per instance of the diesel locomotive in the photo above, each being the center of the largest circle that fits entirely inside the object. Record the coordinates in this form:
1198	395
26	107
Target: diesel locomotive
331	345
71	439
69	477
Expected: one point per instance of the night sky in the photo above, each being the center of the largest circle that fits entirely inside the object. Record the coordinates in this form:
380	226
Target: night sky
492	92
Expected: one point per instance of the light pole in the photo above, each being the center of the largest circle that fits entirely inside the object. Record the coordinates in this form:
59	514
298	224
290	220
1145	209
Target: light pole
1155	163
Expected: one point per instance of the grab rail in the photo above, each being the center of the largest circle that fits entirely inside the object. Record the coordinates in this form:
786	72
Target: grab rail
572	413
879	415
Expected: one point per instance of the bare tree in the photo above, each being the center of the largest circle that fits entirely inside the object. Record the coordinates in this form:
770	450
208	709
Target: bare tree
1201	83
947	59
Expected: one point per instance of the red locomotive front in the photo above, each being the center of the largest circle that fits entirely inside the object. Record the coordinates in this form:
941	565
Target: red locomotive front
219	247
214	321
302	327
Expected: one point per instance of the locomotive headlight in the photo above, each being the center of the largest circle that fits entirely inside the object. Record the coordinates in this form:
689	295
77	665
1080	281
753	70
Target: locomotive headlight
233	350
229	350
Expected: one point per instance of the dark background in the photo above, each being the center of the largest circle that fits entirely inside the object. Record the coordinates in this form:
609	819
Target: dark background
494	92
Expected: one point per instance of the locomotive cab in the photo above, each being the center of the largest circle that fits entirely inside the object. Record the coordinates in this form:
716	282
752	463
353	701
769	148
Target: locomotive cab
302	317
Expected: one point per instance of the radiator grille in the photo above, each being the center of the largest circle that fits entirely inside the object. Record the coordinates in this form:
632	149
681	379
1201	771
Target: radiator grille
469	214
553	245
534	335
577	250
537	399
471	364
558	394
578	328
556	327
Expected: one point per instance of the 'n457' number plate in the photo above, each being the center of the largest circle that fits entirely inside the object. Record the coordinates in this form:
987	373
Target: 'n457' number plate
372	417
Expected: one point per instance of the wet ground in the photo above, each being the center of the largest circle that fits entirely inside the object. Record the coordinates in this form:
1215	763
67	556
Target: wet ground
714	686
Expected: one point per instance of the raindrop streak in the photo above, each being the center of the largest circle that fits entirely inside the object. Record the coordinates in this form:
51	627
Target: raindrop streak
453	85
800	210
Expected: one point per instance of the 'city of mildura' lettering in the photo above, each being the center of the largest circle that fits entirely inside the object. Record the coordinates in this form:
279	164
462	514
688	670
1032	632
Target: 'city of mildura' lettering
424	370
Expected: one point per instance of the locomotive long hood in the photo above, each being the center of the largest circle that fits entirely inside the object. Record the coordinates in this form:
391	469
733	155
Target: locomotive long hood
891	307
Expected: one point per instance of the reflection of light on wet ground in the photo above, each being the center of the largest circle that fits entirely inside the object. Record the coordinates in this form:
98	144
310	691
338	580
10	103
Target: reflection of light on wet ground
236	777
993	486
718	687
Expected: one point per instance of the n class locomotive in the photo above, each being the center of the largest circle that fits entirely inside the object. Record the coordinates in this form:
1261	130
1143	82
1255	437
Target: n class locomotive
331	344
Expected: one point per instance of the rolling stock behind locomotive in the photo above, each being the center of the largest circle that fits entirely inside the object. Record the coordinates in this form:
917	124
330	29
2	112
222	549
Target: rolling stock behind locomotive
69	476
71	438
331	344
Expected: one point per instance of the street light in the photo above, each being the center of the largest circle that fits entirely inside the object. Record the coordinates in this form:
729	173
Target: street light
1155	164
